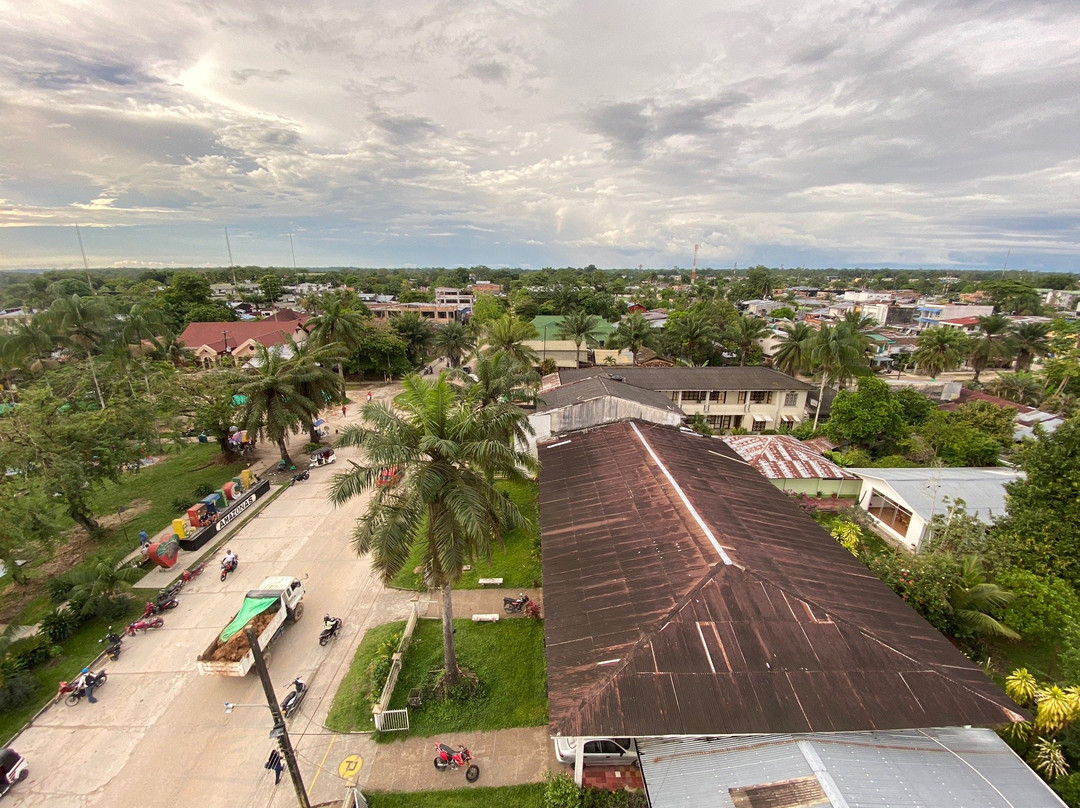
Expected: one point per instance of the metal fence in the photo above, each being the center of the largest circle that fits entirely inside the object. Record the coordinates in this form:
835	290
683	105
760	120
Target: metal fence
395	720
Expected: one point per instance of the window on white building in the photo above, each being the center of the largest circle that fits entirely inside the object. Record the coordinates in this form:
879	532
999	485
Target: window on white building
791	399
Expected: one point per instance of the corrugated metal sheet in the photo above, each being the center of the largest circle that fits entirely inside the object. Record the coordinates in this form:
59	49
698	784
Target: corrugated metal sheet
649	632
782	457
954	767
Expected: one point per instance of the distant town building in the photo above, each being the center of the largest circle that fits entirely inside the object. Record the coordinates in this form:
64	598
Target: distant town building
931	314
431	311
449	296
487	288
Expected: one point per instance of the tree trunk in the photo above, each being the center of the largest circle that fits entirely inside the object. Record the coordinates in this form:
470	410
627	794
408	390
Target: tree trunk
284	452
97	387
451	676
84	519
820	396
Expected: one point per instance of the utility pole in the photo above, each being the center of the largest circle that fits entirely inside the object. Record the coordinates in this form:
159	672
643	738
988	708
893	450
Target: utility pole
693	272
279	731
86	264
232	266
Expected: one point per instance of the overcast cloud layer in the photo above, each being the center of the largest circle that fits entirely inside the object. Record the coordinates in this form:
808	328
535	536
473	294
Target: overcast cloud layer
506	132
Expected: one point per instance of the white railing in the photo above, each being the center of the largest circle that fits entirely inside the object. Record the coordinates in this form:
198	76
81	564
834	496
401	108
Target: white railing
391	720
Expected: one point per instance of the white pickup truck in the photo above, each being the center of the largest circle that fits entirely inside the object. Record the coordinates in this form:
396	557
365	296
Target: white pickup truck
277	600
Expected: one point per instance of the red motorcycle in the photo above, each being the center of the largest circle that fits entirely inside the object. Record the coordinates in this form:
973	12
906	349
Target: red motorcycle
143	625
157	608
448	758
194	572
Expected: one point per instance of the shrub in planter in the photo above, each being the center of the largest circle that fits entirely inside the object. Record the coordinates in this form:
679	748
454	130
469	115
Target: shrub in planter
560	791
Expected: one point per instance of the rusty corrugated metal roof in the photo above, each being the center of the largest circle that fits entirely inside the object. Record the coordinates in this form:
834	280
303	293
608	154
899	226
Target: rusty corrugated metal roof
650	632
782	457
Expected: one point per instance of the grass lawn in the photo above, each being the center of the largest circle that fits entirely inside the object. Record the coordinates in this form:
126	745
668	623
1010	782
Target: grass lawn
77	652
508	657
517	565
526	796
1006	656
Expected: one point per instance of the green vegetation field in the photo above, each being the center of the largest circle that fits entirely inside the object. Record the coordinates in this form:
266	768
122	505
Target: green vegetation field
526	796
507	656
518	565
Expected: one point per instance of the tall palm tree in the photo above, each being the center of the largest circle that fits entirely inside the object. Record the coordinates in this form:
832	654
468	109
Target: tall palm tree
992	344
30	344
835	354
454	341
143	323
308	367
500	379
1029	341
83	324
792	355
634	332
858	320
447	447
939	349
580	327
274	405
336	322
508	334
692	330
744	333
416	333
1023	388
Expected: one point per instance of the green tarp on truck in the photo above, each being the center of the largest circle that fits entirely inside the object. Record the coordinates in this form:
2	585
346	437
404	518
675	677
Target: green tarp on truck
251	607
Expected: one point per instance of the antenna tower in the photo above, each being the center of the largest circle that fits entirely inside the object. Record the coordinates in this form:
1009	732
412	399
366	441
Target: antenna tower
232	266
1006	263
85	263
693	272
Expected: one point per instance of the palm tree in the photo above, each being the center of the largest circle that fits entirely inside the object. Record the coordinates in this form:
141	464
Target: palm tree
744	333
1030	340
336	322
416	332
454	341
580	327
633	332
446	446
274	405
792	355
993	344
500	379
308	367
143	323
99	586
973	597
30	344
692	329
939	349
83	324
857	320
834	355
1022	388
508	334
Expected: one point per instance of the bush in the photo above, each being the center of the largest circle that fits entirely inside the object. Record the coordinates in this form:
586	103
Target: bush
1044	609
312	447
181	504
203	490
560	791
600	798
16	690
380	666
59	588
24	655
1068	788
60	624
924	581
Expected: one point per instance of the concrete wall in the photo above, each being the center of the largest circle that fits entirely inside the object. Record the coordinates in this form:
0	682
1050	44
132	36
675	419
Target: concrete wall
826	488
597	411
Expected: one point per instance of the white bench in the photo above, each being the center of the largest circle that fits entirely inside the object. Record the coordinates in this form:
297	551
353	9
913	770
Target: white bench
485	618
490	582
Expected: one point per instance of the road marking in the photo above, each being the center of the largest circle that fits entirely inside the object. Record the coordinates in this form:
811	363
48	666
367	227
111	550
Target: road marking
322	762
350	766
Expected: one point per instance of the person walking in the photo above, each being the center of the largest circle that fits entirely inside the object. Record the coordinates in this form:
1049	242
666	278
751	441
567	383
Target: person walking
274	763
343	411
369	396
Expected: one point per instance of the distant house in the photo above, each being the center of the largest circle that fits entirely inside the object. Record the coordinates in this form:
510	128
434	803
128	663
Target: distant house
794	467
448	296
761	308
931	314
1026	417
211	341
562	351
487	288
449	312
903	502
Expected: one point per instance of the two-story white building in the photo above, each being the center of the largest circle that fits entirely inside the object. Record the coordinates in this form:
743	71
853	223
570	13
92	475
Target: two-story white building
751	398
928	315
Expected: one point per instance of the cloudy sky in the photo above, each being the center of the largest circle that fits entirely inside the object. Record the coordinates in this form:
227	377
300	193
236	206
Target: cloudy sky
541	133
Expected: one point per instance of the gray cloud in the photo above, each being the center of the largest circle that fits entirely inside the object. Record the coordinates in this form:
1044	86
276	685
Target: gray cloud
242	76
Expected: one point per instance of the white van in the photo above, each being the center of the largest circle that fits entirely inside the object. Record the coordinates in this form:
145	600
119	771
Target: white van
598	751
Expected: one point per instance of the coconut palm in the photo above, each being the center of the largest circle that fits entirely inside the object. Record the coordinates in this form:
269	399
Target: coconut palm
1029	341
1022	388
500	379
454	341
30	344
857	320
101	585
633	332
971	600
744	334
83	324
580	327
939	349
275	407
337	322
691	330
415	332
792	355
446	446
308	365
835	355
508	334
992	344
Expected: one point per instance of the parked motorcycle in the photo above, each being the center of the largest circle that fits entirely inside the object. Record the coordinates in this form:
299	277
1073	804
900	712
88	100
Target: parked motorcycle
172	591
331	631
194	572
160	606
144	624
300	476
448	758
515	605
114	643
229	566
291	704
75	692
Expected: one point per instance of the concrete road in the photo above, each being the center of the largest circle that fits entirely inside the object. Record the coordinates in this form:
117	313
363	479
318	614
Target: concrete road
159	734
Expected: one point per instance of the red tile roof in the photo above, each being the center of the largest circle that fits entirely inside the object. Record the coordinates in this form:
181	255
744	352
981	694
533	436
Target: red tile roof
782	457
684	594
961	321
266	332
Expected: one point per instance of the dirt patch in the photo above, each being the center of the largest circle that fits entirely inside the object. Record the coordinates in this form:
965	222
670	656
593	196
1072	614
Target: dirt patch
75	547
238	646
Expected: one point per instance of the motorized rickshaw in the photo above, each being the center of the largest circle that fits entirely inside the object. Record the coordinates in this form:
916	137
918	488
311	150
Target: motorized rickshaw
388	477
13	768
323	456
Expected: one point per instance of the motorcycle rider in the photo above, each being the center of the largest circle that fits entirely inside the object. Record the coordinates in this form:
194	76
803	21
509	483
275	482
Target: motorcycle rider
230	560
330	623
86	681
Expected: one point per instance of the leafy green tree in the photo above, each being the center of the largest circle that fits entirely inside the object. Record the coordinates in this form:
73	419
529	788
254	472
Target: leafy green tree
30	345
579	327
939	349
992	345
633	332
869	417
792	355
83	325
1030	340
1014	297
958	442
1022	388
835	356
308	365
488	307
275	407
338	321
509	334
447	447
416	332
692	334
1045	609
454	341
743	335
783	313
29	518
380	351
916	407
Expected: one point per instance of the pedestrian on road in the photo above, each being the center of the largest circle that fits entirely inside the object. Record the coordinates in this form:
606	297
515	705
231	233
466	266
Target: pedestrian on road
342	410
274	763
369	396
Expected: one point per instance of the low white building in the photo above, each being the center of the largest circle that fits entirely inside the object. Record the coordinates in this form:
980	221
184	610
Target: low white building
903	502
